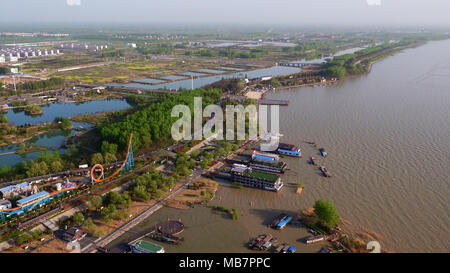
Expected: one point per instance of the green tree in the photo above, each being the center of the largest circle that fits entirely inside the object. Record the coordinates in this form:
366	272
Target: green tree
56	167
78	218
3	119
37	234
235	215
108	148
141	193
95	202
327	213
25	238
114	198
97	158
275	83
336	71
65	124
110	158
91	227
108	213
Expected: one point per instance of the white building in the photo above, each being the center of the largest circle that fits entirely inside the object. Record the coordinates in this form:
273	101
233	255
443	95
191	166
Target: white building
5	204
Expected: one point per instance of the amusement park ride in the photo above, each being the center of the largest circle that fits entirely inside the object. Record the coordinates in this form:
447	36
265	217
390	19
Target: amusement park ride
36	200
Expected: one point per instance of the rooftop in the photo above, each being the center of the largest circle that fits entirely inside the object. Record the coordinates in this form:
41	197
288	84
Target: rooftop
266	176
147	246
32	197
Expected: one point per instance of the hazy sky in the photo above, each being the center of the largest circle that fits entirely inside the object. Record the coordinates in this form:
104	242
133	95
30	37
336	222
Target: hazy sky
282	12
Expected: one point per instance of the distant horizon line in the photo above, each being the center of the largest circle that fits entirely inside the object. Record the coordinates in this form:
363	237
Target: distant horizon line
210	25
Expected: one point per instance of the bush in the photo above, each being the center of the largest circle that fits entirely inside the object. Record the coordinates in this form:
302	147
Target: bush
234	215
327	213
25	238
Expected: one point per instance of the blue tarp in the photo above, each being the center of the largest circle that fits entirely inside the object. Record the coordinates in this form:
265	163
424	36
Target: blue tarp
289	152
283	222
264	157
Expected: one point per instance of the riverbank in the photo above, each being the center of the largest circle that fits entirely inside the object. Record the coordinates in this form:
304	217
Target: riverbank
342	67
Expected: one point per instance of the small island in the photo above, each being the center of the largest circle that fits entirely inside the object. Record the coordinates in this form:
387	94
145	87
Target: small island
33	110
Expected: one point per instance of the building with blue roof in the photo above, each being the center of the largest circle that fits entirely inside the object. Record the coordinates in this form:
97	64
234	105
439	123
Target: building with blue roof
31	201
15	189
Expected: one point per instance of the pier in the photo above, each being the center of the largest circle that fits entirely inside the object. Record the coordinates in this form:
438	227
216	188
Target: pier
273	102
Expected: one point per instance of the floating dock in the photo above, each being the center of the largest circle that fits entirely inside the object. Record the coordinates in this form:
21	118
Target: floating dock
273	102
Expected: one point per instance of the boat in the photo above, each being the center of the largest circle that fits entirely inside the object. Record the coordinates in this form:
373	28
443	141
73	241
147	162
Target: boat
314	161
166	238
322	152
289	150
142	246
266	245
285	249
281	221
325	172
279	249
314	239
262	242
292	249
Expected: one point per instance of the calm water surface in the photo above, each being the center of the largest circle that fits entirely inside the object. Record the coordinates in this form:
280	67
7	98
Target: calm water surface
51	111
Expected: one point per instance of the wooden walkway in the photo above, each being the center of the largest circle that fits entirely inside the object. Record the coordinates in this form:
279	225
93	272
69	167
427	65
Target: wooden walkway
273	102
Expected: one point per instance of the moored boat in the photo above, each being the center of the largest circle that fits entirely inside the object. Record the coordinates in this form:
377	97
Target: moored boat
281	221
325	172
314	161
262	242
314	239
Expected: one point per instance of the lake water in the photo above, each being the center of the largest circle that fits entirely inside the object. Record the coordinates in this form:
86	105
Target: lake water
388	138
54	140
51	111
148	81
51	140
203	81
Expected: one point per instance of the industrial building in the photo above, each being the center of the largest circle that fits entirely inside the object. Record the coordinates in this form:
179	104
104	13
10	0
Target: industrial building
82	47
13	54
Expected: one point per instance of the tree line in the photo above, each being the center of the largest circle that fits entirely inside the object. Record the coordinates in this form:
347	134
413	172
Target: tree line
153	123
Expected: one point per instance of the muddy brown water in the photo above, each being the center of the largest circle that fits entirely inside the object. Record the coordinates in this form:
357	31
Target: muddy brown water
388	139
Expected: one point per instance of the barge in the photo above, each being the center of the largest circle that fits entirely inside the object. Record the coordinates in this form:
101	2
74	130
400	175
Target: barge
143	246
262	242
166	238
289	150
256	179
